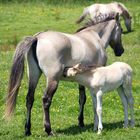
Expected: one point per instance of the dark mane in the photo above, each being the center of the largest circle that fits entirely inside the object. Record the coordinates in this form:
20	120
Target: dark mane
85	67
98	19
81	68
124	10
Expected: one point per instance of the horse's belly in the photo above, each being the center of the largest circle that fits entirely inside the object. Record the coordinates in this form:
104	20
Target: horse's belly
112	85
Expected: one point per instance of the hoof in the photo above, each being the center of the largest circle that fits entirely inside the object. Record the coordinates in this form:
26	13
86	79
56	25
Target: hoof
27	133
125	125
81	125
99	132
95	129
132	123
51	134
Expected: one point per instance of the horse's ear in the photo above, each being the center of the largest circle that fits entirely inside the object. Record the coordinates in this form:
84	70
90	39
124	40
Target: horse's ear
117	16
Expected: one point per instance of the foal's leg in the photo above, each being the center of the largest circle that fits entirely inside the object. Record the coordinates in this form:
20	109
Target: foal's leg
33	75
99	110
128	93
94	101
82	100
125	106
47	99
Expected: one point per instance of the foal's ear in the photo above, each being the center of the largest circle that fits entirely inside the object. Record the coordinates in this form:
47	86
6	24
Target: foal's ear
117	16
77	65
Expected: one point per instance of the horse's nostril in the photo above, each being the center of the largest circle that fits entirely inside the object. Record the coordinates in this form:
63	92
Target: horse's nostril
119	52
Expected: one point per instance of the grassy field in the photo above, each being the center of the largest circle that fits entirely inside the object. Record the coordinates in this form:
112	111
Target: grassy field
19	20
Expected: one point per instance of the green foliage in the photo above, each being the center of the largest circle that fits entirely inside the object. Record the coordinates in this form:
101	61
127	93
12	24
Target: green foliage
19	20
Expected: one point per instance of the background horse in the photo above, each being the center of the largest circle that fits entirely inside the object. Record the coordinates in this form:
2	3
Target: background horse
103	79
114	7
49	52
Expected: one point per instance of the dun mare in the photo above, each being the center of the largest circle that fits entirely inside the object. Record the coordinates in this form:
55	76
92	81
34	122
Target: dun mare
50	52
114	7
101	80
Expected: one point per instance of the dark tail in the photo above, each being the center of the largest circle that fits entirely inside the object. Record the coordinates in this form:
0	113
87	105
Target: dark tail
17	73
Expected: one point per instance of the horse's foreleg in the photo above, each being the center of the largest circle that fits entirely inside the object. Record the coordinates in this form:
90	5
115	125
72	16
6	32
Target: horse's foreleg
125	105
82	100
99	110
47	99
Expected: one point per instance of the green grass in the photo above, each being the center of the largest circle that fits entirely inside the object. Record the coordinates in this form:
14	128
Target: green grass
19	20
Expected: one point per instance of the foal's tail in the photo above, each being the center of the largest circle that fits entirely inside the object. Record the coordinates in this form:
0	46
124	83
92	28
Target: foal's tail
17	73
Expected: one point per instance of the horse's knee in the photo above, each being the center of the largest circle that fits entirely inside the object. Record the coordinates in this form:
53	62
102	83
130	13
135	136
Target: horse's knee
46	102
99	110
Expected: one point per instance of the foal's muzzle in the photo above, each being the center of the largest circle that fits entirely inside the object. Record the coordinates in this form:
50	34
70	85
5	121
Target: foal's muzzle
65	71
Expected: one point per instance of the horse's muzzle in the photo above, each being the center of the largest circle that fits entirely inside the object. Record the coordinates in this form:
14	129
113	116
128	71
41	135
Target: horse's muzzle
119	52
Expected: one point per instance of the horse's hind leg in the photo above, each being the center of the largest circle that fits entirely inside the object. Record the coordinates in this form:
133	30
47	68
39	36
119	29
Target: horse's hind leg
125	106
47	99
82	100
34	73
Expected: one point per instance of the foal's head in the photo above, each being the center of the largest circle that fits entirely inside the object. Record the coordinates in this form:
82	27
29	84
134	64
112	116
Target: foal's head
78	68
73	70
115	40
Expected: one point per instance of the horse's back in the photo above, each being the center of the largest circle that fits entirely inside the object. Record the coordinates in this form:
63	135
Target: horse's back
108	8
123	66
53	49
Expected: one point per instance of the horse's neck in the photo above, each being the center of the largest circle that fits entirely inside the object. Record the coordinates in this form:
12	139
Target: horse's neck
105	33
124	12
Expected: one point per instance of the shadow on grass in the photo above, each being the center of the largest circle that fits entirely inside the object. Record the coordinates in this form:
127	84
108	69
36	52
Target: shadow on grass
126	32
74	129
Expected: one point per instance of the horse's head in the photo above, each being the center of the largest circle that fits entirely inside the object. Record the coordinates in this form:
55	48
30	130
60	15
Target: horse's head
115	41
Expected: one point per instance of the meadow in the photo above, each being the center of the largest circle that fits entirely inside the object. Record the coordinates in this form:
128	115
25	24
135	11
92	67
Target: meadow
18	20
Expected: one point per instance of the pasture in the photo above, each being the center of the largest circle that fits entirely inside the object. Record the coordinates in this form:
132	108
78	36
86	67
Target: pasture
22	19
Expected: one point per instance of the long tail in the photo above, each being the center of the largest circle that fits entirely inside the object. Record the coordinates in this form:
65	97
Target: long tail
17	73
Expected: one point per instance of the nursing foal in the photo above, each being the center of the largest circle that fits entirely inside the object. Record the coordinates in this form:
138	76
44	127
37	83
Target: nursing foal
103	79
